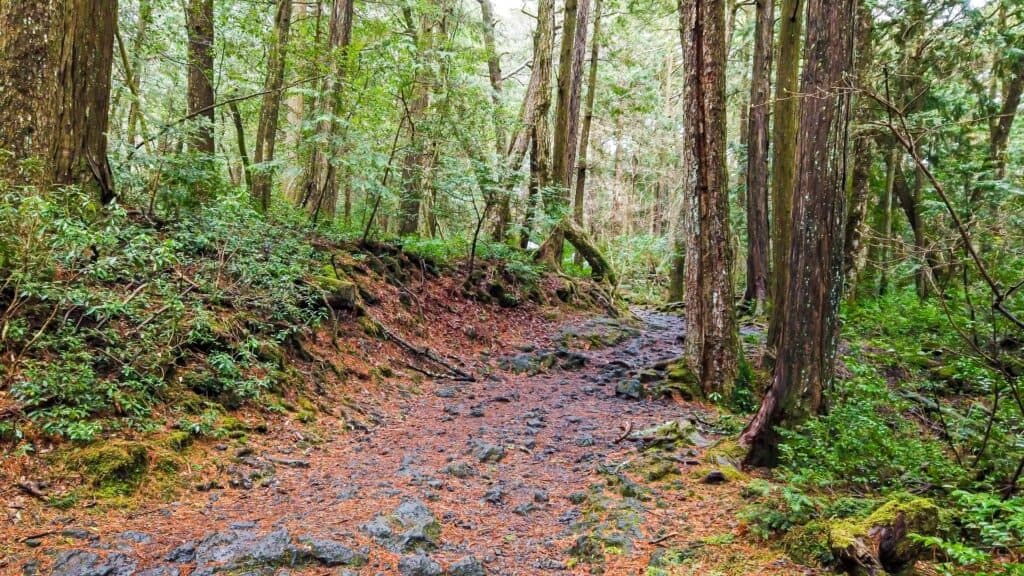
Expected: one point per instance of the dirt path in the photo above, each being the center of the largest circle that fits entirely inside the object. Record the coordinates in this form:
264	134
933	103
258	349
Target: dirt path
525	471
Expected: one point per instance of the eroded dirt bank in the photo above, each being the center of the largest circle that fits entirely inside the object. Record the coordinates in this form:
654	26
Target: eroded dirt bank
547	463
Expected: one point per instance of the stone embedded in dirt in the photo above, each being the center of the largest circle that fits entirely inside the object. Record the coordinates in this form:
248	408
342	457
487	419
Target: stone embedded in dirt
182	554
477	411
495	495
83	563
459	470
331	553
237	549
160	571
715	477
135	536
289	462
540	496
525	508
487	452
418	565
467	566
518	364
573	419
585	440
631	388
419	528
77	533
571	360
447	392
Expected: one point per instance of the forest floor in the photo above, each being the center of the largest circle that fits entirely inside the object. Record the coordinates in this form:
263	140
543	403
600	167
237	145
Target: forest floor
542	464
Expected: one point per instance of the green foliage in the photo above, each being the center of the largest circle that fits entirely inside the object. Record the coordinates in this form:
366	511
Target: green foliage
774	510
102	307
864	441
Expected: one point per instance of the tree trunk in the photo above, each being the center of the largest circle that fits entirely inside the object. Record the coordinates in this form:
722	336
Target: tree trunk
855	250
809	321
243	151
710	317
885	251
56	58
566	130
266	133
540	146
135	118
757	160
588	117
417	159
320	188
784	134
199	21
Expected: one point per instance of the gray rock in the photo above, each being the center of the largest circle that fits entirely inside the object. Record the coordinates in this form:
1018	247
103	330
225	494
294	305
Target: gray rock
136	537
30	568
494	495
77	533
331	553
467	566
160	571
445	392
83	563
631	388
183	553
418	565
240	549
414	512
378	528
487	452
715	477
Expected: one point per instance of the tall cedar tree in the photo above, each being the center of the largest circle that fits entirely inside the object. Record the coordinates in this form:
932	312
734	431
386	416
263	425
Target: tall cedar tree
711	340
320	189
540	142
199	22
266	132
757	160
55	62
809	321
566	130
784	133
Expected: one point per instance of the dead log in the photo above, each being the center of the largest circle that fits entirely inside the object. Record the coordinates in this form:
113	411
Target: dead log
600	268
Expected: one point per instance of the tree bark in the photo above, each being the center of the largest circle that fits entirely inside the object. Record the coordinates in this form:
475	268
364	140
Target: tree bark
809	321
566	129
199	21
243	150
756	293
710	316
56	58
320	188
540	143
784	134
588	117
417	160
266	132
855	250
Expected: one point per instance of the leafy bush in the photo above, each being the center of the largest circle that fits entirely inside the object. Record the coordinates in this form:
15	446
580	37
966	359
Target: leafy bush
102	309
865	441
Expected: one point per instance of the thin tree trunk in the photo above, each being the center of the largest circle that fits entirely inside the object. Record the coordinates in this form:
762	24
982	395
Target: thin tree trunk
805	363
417	159
784	134
199	21
757	160
710	317
266	133
320	188
588	117
135	117
855	250
566	130
885	252
243	151
295	115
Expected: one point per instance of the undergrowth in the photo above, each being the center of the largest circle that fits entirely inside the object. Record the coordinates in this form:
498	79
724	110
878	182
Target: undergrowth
912	411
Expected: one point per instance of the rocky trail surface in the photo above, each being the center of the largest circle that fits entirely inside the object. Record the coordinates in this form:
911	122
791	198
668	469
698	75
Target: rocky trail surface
569	455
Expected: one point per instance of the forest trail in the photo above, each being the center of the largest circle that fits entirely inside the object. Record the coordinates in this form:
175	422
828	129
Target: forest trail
528	470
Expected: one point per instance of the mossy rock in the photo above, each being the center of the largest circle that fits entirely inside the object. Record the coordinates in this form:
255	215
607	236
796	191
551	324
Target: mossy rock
179	440
681	380
726	453
809	544
114	468
872	544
